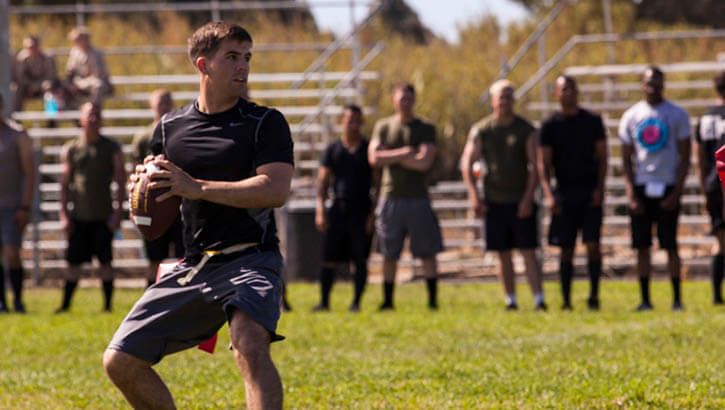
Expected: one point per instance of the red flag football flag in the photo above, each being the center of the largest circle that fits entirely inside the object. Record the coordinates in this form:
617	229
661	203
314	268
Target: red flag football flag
720	164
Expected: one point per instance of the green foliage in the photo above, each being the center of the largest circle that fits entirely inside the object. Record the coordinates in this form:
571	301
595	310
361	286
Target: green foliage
470	354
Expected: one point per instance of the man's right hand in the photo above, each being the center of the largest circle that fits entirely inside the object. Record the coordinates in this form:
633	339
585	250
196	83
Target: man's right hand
66	225
479	208
321	220
635	205
553	203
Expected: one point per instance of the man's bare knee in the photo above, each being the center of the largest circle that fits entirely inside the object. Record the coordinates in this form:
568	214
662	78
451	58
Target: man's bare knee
120	365
250	340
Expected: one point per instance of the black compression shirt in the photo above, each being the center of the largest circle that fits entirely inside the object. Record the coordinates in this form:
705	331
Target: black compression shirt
226	146
351	174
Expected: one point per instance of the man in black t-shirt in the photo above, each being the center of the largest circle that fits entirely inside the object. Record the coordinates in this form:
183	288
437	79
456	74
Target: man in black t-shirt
574	143
709	137
348	223
232	162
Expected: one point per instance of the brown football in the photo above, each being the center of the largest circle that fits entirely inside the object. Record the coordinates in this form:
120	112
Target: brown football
152	218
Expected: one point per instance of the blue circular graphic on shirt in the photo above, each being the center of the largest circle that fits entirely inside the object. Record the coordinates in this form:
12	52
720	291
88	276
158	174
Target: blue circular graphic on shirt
652	134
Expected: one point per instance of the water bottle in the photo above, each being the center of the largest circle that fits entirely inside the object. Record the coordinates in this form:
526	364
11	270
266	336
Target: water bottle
51	105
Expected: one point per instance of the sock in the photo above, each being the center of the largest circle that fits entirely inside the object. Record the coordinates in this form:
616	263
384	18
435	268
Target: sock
16	280
644	289
718	264
3	303
432	285
107	293
388	288
70	287
326	278
361	278
675	289
566	272
595	272
511	299
538	298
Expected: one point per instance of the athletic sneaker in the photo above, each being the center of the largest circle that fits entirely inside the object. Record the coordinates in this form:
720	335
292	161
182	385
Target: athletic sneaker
566	306
541	306
676	306
644	306
433	306
385	307
512	306
19	307
718	301
354	307
3	309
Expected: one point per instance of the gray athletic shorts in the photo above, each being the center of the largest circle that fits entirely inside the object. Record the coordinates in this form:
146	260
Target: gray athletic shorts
169	317
9	234
396	218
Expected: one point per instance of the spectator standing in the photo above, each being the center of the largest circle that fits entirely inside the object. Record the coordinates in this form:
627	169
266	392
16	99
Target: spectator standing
17	184
347	225
573	142
655	135
709	137
403	146
507	144
91	163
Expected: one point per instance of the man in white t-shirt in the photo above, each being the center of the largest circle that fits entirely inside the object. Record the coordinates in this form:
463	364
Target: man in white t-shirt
655	136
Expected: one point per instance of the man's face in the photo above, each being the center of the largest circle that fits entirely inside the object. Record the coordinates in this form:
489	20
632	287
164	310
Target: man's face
90	117
403	100
503	101
228	68
652	84
351	122
162	104
566	92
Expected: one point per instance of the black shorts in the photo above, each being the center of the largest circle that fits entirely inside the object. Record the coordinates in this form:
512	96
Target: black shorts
158	249
653	213
346	238
88	238
714	208
505	231
171	317
575	215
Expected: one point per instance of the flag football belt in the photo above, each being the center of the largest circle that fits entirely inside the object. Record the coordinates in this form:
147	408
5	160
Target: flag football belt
208	255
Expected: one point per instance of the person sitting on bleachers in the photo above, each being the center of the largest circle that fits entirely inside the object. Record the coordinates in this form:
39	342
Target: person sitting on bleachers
86	72
32	68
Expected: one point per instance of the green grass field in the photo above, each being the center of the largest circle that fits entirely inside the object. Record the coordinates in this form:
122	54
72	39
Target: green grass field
470	354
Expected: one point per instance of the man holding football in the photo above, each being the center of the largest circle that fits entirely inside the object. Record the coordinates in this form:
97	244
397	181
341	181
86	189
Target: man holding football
232	162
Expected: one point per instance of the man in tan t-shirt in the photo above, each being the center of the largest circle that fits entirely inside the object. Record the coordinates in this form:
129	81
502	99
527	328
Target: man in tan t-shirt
32	67
507	144
403	145
86	72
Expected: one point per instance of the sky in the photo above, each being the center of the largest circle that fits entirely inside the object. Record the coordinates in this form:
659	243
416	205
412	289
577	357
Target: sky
441	16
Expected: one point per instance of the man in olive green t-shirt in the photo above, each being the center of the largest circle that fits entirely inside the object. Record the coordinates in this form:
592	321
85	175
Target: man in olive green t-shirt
90	163
404	147
507	144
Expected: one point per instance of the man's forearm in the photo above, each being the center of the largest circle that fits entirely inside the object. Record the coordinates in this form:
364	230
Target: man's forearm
260	191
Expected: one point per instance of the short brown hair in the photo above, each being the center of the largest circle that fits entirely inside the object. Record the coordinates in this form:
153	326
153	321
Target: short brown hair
403	86
206	39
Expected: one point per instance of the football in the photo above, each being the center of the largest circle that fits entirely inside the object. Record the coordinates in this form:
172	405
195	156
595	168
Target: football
152	218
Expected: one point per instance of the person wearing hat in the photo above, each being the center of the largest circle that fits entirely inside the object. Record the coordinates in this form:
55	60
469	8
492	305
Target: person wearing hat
86	72
32	67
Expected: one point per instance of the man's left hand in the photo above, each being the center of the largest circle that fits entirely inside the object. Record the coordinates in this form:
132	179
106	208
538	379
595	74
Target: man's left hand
526	208
670	202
